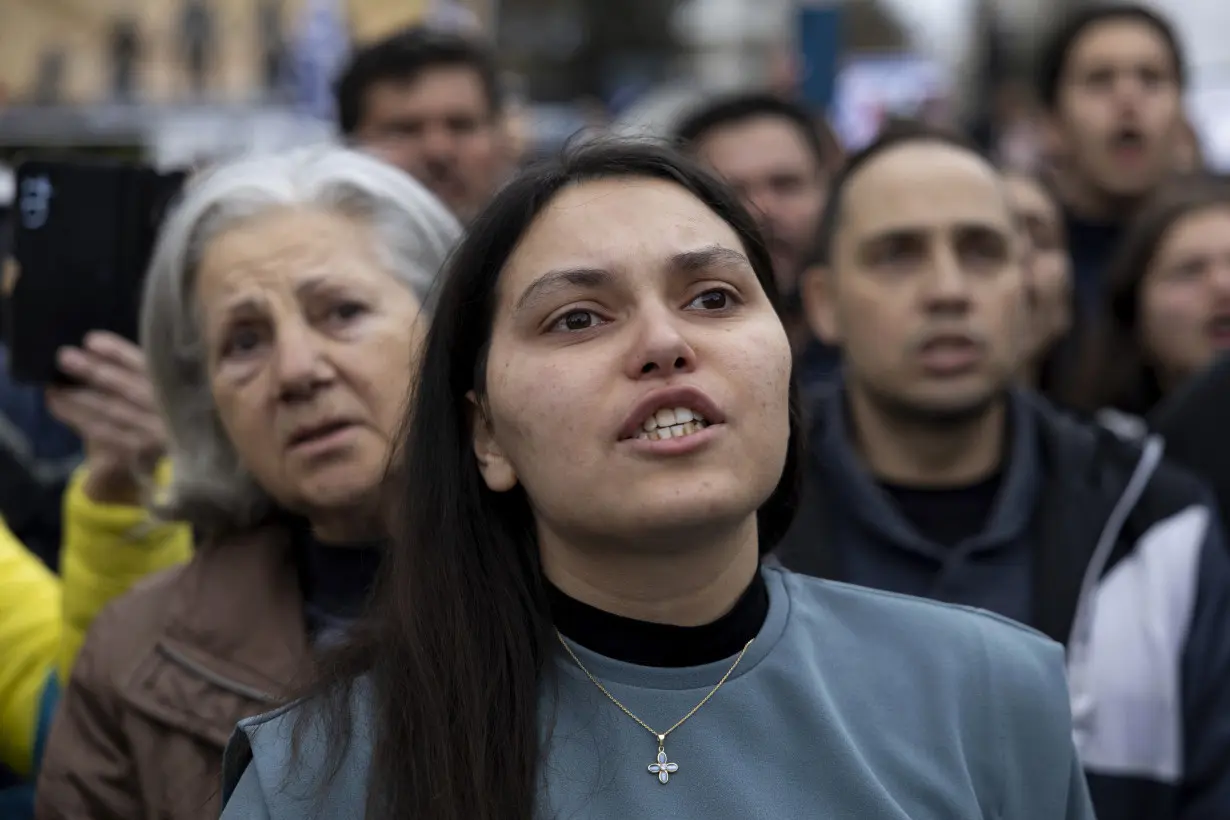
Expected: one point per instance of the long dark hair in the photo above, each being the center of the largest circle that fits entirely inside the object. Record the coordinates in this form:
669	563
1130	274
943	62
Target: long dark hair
1113	369
456	644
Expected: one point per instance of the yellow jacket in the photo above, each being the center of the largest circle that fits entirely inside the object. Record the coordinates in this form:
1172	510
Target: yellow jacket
44	619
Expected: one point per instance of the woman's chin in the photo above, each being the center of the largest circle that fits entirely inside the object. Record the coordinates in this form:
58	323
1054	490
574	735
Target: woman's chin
682	520
338	490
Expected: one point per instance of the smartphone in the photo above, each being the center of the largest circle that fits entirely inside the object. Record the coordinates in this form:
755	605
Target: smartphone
83	230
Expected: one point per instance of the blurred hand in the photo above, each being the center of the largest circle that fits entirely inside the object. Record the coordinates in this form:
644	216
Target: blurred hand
112	409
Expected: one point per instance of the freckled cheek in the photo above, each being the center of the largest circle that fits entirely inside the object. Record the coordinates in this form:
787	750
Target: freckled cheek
545	413
759	371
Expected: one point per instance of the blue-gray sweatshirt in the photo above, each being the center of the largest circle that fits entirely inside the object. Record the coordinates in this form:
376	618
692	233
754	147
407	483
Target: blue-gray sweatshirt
850	703
1096	542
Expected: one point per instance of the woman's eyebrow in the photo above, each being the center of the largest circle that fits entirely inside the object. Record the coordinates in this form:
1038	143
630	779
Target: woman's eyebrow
709	257
588	278
554	281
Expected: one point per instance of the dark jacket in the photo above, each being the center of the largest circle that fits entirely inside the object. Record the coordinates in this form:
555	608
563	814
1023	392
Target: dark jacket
1193	422
1091	247
1099	544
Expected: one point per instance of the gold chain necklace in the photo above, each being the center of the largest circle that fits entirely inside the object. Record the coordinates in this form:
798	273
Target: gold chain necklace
663	767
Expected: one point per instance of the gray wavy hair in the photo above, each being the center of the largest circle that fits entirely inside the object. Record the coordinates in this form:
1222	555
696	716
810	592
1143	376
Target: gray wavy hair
210	489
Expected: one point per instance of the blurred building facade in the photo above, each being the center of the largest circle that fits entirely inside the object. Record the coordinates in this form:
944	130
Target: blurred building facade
163	51
184	81
198	70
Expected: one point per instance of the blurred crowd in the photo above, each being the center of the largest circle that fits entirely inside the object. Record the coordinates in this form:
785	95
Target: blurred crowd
1008	352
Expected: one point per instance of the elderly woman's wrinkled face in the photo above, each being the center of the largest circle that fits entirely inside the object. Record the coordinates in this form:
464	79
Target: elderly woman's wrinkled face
310	345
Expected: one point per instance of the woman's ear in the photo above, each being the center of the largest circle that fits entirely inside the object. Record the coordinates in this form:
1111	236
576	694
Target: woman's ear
497	470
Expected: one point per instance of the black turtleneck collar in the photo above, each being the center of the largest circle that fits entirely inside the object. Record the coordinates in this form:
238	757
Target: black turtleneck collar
335	578
648	644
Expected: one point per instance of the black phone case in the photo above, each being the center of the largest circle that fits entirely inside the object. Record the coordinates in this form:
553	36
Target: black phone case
83	232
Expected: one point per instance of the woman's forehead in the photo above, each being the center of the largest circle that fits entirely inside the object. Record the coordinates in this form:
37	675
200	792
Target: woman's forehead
281	236
291	250
617	224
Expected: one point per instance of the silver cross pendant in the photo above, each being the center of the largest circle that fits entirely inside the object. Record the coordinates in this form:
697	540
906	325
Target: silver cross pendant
663	768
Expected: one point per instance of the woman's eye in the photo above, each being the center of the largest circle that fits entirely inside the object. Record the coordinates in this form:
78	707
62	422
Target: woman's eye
242	341
347	311
712	300
576	320
1189	269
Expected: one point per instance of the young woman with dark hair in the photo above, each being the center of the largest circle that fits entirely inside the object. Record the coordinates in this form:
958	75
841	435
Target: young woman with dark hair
1166	313
574	619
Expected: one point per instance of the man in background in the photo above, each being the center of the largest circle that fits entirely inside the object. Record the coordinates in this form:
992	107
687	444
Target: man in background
929	474
776	155
771	151
430	102
1111	82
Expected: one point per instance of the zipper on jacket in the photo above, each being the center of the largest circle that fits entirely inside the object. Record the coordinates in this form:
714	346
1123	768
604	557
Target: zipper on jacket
221	681
1082	625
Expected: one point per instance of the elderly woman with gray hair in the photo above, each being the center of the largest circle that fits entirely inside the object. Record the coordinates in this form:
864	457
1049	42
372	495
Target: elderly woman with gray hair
281	326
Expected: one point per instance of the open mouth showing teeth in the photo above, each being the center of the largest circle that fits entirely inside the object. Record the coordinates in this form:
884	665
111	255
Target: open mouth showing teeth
672	423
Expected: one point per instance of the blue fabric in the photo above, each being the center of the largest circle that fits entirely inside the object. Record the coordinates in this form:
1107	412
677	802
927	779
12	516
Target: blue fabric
850	703
17	795
46	713
17	802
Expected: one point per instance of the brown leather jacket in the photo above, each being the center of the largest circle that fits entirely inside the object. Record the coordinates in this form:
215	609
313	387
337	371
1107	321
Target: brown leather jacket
165	674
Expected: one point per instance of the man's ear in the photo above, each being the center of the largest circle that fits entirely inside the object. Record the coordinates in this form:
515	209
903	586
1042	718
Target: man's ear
819	304
514	135
496	469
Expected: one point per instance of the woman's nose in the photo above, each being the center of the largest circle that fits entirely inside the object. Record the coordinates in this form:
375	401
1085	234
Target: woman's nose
300	362
662	347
